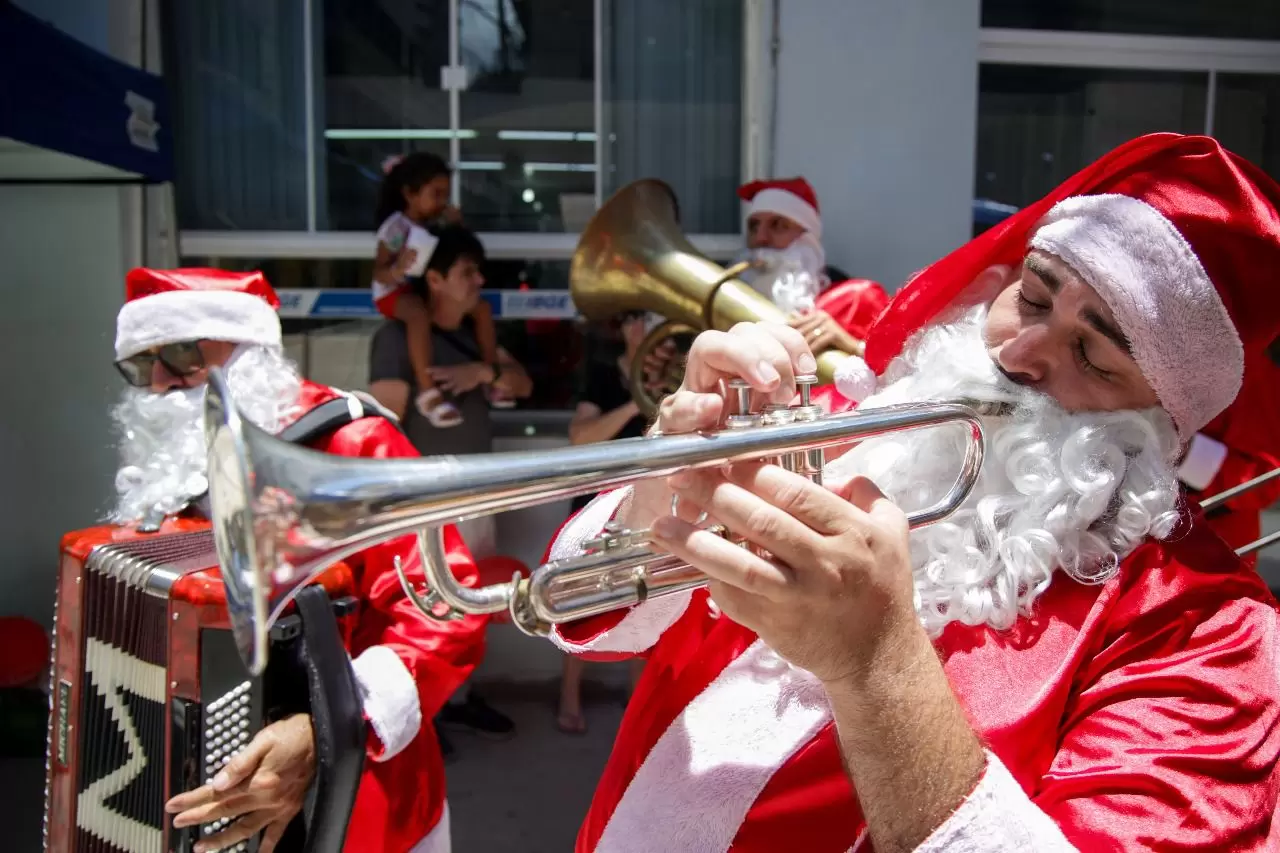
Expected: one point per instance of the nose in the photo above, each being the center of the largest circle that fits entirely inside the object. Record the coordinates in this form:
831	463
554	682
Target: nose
162	380
1027	357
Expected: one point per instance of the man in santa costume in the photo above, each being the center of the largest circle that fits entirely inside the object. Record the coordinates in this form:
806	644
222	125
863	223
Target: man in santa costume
175	326
784	240
1072	660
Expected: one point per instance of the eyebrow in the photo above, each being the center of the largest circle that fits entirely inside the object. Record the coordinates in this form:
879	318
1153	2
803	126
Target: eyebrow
1093	318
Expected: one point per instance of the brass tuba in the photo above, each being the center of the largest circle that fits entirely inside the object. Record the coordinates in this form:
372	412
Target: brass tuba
632	256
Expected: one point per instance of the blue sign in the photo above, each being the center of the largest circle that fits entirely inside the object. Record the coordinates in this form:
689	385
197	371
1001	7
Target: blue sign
358	304
63	95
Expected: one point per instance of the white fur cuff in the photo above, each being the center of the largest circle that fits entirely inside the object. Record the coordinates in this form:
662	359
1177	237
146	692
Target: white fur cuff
390	698
643	625
1203	462
998	817
191	315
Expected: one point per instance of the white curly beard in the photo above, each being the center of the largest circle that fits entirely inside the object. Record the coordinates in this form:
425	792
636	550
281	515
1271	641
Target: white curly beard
1058	490
162	447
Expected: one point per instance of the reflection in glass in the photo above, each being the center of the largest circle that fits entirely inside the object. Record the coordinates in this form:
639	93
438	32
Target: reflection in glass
236	74
381	96
672	81
1037	126
528	114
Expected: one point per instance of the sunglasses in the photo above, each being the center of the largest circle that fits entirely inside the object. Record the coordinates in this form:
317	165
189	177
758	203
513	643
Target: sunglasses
181	359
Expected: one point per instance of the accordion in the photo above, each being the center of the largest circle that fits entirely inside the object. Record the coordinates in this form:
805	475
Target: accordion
149	696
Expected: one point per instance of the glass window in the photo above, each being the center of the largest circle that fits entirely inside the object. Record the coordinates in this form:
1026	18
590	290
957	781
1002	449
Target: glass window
528	114
236	74
672	81
1246	118
522	129
381	97
1241	19
1037	126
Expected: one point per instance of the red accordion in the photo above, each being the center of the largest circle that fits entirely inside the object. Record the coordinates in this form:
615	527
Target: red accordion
149	696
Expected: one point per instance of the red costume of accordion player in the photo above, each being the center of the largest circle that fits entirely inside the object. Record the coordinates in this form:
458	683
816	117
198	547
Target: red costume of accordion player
150	697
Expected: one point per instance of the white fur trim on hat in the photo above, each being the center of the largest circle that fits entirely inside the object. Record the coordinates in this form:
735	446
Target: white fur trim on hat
1167	306
790	205
189	315
855	380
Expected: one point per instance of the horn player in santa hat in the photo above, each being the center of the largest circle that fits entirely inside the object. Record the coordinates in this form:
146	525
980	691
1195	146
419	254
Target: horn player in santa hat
784	242
1072	660
174	327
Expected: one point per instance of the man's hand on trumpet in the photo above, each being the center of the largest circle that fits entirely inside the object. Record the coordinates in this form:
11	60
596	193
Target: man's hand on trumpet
834	596
838	590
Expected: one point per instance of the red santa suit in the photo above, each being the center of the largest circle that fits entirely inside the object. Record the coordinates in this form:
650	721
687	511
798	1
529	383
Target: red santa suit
406	665
1141	714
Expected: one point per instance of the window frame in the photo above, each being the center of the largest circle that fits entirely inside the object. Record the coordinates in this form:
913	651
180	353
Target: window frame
1059	48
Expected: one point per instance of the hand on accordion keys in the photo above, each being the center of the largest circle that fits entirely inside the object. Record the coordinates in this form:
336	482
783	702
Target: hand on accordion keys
261	789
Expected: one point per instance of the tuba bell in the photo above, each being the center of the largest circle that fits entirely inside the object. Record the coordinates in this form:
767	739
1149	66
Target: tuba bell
632	256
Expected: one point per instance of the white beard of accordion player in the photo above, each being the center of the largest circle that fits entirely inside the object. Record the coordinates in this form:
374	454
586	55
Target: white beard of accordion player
1075	492
163	456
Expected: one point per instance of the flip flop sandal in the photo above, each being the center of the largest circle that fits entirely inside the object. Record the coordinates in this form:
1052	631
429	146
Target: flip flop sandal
439	412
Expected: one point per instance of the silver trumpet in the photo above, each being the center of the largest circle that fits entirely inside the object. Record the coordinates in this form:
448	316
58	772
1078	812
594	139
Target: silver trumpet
281	513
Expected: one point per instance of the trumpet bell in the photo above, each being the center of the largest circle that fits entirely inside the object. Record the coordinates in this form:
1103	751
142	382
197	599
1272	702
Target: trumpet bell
229	472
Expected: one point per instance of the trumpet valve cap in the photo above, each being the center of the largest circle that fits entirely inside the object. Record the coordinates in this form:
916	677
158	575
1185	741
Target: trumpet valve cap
805	384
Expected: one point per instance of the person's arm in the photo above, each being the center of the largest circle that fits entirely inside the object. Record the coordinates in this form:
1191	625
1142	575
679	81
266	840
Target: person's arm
513	376
391	393
590	425
390	371
486	332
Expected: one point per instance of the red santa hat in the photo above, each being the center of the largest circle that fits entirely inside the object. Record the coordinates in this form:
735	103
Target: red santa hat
789	197
1175	233
168	306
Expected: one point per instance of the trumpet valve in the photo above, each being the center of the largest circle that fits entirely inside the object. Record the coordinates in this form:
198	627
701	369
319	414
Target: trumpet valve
615	537
742	417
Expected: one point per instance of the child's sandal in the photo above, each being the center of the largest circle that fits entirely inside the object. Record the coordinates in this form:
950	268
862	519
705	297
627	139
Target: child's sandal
438	411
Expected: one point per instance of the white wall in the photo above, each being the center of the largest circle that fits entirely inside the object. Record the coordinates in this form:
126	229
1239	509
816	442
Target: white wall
62	285
876	107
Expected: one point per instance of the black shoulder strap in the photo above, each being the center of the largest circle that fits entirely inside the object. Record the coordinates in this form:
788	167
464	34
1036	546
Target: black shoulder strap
335	414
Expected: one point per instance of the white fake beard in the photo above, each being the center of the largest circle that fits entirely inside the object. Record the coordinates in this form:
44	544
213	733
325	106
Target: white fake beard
163	454
791	278
1077	492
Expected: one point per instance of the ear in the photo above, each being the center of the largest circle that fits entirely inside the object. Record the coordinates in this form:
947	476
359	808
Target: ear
434	279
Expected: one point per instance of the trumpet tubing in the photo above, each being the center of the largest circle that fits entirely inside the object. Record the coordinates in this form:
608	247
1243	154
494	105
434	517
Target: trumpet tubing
281	513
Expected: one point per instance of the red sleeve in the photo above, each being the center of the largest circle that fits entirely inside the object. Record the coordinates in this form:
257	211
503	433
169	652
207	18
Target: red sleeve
855	304
1241	467
439	656
1171	738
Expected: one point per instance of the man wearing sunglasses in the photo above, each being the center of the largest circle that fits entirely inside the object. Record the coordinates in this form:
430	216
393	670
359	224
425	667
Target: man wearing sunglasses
174	327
